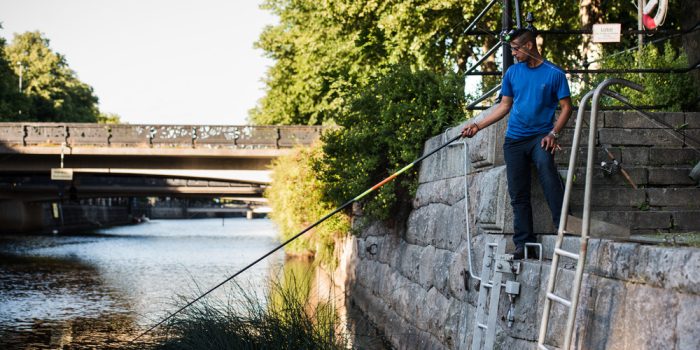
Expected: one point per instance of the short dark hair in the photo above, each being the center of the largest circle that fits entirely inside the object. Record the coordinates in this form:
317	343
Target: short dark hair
523	35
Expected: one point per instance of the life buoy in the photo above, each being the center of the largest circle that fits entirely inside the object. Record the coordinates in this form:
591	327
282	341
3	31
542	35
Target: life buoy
658	20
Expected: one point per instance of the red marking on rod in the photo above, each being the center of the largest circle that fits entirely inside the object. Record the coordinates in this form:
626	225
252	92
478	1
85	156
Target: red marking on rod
383	182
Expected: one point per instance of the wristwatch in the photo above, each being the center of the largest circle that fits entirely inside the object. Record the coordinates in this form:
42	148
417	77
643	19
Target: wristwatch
555	134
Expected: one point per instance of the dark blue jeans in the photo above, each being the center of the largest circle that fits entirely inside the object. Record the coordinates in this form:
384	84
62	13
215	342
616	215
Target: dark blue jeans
519	155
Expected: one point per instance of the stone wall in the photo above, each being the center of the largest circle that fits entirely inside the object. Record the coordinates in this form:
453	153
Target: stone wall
415	283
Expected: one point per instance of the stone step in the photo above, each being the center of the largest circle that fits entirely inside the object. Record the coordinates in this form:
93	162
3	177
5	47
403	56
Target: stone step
634	120
641	176
635	155
641	198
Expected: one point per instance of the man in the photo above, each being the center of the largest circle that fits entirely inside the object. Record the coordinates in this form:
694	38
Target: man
531	90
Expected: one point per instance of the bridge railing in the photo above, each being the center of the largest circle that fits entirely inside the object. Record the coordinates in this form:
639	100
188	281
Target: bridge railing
133	135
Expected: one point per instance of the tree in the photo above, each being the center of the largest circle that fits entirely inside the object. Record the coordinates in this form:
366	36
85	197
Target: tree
52	88
11	100
326	52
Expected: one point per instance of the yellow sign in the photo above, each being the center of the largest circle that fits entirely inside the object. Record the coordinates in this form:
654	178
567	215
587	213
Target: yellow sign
61	174
607	33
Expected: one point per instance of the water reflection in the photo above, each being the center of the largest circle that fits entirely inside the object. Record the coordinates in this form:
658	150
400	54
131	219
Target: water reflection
88	291
97	289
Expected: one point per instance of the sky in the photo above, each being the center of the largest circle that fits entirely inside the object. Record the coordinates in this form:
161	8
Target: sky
156	61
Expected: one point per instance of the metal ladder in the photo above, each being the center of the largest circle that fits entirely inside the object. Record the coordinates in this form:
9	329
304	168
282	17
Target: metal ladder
572	302
496	263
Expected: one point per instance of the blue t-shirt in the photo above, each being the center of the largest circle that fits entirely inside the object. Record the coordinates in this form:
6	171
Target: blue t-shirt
536	93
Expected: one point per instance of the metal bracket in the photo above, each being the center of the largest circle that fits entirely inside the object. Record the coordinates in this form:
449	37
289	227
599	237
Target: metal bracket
505	264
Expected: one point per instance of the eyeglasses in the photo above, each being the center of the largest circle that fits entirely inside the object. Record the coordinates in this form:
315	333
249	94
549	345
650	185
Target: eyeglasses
515	47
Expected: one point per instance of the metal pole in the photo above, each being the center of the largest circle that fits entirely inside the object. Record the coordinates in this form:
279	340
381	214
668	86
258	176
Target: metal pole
518	24
478	17
20	76
507	15
588	189
640	36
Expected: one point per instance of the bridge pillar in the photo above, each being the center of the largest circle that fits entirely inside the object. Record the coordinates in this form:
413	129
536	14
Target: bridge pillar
18	216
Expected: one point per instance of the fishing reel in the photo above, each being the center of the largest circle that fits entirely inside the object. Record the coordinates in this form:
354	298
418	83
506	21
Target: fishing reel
610	168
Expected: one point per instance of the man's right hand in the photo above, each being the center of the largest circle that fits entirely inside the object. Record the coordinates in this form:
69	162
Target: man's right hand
470	130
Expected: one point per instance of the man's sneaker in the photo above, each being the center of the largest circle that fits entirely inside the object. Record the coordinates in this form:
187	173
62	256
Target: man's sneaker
519	253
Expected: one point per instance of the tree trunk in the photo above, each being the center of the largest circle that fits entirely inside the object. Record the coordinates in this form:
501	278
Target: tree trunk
590	13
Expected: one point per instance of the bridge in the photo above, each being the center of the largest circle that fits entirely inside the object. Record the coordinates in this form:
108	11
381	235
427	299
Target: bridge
129	159
132	161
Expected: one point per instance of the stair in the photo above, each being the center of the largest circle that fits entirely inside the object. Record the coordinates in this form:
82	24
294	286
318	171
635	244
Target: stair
667	200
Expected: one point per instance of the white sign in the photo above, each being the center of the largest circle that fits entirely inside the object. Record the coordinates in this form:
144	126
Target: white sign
61	174
607	33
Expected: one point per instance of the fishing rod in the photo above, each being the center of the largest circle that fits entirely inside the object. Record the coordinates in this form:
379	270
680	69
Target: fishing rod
336	210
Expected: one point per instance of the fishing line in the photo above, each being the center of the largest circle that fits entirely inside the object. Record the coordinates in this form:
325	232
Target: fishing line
336	210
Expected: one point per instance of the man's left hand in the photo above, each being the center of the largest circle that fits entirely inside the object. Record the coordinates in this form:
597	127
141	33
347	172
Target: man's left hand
550	144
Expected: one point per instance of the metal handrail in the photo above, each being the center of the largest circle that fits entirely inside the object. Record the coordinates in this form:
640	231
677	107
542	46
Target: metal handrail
486	55
484	96
600	90
478	17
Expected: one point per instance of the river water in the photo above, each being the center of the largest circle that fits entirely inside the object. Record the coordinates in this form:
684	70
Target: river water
99	290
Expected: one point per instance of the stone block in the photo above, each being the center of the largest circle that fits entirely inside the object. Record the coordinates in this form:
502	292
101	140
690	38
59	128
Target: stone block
443	258
600	119
410	262
673	156
687	220
457	226
638	306
678	197
687	330
635	219
455	322
427	267
602	305
691	138
670	176
670	268
444	164
445	191
458	273
526	324
634	156
421	224
693	120
603	179
486	147
611	197
567	138
639	137
634	120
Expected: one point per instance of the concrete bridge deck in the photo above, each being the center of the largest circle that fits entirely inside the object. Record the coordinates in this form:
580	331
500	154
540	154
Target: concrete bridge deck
32	147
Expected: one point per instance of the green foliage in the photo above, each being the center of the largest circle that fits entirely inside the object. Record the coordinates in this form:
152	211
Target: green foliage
673	91
383	131
51	89
296	200
109	118
284	318
11	100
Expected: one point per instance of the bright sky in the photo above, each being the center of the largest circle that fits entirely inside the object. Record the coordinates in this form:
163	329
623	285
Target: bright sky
156	61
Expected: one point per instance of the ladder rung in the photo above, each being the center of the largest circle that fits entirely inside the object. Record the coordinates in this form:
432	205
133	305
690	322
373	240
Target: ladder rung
559	299
488	285
482	326
566	253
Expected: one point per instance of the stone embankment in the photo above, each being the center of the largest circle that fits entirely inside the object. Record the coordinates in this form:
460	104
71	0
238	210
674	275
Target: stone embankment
414	282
